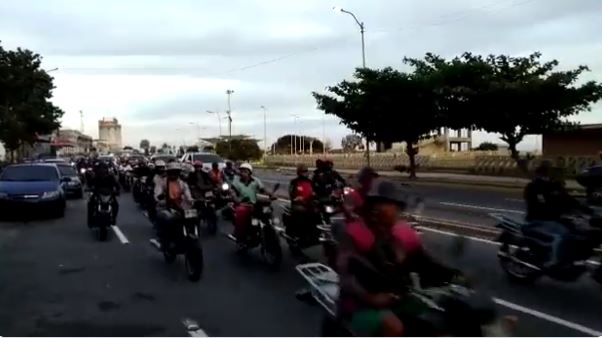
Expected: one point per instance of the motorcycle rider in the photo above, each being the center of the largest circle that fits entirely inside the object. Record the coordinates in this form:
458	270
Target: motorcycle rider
199	180
103	183
326	179
303	218
376	256
357	196
547	202
216	175
159	175
229	172
246	187
172	195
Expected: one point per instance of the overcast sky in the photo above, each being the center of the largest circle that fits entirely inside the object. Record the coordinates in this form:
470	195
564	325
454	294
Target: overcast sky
158	66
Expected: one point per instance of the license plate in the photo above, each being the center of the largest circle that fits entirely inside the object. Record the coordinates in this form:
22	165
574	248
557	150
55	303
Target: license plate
190	213
209	194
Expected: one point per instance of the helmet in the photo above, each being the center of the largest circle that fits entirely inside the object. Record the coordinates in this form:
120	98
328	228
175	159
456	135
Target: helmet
174	166
247	166
198	163
160	163
366	173
387	191
301	168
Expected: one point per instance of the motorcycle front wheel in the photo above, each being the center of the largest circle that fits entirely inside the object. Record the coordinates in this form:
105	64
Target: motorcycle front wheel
103	233
514	270
271	249
194	262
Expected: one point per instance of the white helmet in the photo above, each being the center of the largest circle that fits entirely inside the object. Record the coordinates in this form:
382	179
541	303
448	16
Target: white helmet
172	166
160	163
246	166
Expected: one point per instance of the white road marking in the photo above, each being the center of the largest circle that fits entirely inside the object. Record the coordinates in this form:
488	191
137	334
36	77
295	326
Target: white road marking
470	206
119	234
550	318
476	239
193	328
517	200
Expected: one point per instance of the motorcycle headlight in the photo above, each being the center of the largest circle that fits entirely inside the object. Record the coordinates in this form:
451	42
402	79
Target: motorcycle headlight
329	209
50	194
225	186
254	221
82	170
276	221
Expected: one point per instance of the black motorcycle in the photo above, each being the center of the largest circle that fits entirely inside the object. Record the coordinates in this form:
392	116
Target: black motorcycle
184	239
447	309
523	256
262	232
207	211
101	217
591	179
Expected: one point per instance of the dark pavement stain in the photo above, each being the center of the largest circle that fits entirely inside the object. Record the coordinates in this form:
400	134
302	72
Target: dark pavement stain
67	271
144	296
108	306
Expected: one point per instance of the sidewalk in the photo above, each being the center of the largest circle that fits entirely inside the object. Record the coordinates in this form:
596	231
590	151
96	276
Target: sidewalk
459	179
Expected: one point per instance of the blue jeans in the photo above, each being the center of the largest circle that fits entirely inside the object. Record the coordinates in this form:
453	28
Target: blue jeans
554	236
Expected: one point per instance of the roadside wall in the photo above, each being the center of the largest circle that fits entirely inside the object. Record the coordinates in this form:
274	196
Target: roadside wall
470	162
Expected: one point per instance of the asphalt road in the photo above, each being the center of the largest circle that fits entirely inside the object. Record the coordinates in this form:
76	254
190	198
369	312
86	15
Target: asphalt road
57	280
464	204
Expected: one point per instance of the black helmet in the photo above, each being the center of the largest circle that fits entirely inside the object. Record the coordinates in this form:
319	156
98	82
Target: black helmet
366	173
388	191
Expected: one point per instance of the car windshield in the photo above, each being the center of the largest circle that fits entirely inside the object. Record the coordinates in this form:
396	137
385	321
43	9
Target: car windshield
67	170
164	158
207	158
29	173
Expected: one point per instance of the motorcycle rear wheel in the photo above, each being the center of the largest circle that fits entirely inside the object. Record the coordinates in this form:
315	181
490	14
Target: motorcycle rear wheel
194	262
515	271
102	233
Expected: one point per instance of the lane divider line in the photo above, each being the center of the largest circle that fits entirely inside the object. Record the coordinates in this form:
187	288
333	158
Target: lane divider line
547	317
120	235
470	206
476	239
193	328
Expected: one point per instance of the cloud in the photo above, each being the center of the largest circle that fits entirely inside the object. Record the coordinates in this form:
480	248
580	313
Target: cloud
159	65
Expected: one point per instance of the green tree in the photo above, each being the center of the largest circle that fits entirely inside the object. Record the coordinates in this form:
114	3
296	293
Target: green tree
145	145
239	149
153	150
487	146
286	143
385	106
25	90
512	96
351	142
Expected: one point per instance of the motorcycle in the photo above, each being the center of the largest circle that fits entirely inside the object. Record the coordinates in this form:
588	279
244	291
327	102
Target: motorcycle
452	308
206	208
323	232
101	218
224	201
262	233
591	180
185	240
523	256
126	177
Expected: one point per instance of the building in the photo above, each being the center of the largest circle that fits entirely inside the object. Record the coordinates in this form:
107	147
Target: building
73	142
109	133
585	140
443	140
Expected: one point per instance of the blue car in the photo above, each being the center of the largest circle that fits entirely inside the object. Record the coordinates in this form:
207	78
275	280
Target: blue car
32	189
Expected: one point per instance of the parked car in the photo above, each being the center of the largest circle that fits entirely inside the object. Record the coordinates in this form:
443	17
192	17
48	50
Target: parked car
74	186
32	189
207	158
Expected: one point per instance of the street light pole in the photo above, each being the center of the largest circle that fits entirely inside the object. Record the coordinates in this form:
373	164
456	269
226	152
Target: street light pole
229	92
219	121
362	31
265	131
295	130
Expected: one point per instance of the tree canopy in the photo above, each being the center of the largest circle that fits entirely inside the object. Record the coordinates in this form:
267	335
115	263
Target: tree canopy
487	146
145	145
25	90
511	96
298	143
351	142
239	149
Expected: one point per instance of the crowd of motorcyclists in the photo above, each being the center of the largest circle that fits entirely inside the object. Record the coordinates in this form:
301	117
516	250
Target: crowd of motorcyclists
377	248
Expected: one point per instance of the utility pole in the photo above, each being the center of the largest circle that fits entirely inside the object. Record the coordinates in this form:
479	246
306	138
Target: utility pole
229	92
81	121
265	131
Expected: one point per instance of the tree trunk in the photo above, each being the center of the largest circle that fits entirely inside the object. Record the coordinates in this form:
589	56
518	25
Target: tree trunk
411	151
521	163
